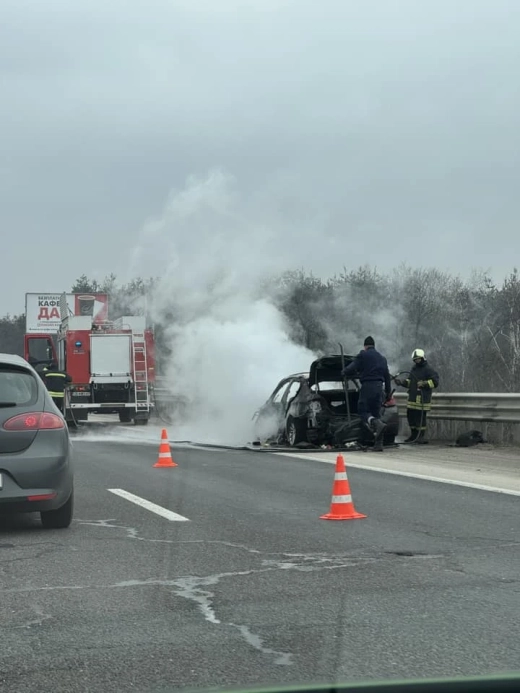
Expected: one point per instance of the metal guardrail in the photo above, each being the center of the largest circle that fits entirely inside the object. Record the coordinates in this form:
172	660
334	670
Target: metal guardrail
490	407
486	407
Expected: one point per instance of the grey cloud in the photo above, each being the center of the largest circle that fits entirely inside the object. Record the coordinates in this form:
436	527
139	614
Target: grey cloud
394	119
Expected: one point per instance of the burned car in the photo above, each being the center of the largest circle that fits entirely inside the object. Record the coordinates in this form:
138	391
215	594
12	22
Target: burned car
320	408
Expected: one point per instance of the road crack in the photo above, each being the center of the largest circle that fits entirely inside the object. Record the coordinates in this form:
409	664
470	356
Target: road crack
133	533
41	617
194	588
201	590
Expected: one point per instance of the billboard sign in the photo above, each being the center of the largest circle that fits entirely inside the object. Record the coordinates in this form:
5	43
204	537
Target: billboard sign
43	313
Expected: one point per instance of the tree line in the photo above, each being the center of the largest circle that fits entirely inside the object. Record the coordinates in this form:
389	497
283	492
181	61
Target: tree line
470	329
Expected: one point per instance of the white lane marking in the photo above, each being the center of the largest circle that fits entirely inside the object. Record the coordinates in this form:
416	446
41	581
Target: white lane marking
412	475
152	507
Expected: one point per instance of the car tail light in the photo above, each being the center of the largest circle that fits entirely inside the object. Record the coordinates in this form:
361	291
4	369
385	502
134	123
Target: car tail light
36	421
42	497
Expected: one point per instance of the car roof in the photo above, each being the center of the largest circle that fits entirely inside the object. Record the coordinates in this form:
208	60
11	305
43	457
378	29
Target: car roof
14	360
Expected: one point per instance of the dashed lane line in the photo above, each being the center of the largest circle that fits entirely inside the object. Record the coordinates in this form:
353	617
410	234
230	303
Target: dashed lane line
148	505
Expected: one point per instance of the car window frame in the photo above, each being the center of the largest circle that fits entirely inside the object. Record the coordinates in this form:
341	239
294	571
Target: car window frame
282	387
287	399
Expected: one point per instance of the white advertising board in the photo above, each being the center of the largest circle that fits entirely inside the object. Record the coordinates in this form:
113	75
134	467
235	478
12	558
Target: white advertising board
42	312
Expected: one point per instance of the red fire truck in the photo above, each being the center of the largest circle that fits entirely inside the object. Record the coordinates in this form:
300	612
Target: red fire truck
112	364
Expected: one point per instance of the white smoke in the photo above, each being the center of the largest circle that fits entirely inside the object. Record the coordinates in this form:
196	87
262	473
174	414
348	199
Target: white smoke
229	343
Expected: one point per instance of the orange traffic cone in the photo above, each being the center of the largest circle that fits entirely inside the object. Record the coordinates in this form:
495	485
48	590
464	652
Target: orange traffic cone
341	507
165	454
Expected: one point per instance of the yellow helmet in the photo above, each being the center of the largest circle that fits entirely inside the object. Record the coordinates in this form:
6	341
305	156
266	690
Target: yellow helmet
418	354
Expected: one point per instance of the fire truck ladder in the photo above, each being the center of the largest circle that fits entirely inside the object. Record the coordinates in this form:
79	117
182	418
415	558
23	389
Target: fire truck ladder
141	389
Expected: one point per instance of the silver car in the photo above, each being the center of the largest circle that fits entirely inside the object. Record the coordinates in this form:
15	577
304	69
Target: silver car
35	449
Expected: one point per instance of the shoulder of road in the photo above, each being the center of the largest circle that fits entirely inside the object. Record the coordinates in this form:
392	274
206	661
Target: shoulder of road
483	467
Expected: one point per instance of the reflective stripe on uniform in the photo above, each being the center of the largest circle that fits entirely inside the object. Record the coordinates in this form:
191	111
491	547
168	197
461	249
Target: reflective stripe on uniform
56	394
418	406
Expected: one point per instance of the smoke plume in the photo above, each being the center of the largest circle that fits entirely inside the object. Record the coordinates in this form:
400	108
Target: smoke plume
229	343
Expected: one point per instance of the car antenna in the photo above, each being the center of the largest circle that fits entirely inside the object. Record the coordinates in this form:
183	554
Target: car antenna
345	380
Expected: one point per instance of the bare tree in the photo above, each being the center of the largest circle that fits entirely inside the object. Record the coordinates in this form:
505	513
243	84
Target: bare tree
470	329
505	336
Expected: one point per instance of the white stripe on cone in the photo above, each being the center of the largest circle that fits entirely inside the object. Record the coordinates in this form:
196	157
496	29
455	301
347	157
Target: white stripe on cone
342	499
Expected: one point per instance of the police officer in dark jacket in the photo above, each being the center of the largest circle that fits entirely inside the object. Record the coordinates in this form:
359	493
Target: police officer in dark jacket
422	381
56	382
371	368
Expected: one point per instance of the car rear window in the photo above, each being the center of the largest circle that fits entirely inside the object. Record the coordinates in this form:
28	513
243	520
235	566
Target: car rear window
17	386
327	385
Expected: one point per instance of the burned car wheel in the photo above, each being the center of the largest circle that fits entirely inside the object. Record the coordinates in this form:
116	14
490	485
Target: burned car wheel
295	431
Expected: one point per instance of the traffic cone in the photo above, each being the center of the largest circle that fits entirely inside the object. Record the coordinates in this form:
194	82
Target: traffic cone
165	454
341	507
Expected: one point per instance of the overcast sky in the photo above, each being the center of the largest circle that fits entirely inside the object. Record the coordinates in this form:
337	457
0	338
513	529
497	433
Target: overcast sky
388	128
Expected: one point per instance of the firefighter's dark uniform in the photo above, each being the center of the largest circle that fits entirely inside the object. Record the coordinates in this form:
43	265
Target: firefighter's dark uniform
422	381
56	382
371	368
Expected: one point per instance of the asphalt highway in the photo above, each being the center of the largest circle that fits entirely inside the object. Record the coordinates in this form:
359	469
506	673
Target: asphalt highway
219	573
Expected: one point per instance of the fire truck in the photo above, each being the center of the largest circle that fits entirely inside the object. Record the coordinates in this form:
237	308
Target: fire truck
112	364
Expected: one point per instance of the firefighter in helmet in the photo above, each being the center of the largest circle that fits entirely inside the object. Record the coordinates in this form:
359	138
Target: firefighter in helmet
56	382
423	379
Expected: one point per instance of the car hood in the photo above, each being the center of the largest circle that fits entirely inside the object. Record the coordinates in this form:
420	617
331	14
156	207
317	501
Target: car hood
328	368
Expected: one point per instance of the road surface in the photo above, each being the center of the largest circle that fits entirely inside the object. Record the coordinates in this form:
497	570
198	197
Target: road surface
241	583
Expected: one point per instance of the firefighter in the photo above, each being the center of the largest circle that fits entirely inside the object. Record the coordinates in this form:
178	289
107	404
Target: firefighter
56	382
422	381
371	368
